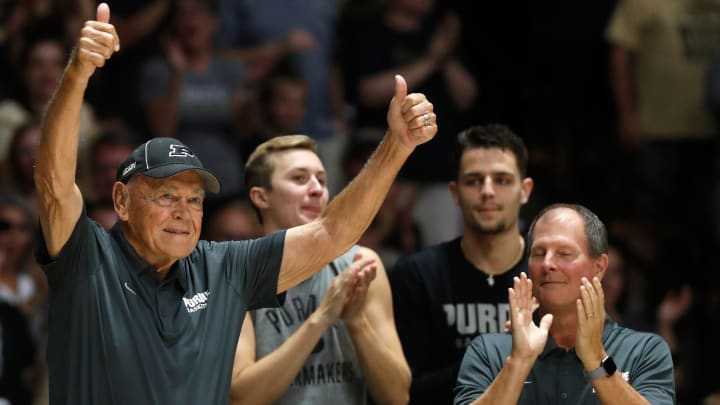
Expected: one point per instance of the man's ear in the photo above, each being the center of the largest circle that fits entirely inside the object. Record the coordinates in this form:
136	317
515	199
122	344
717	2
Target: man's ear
601	264
453	191
526	188
259	197
121	200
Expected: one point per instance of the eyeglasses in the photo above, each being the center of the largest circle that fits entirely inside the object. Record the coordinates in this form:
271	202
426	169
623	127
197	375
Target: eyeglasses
170	200
7	226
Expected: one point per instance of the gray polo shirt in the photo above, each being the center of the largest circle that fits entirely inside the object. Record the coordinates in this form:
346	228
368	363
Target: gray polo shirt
643	359
118	336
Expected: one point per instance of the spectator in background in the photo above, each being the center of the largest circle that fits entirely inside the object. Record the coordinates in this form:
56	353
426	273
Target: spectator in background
110	148
194	95
18	168
17	355
23	302
139	23
21	282
267	33
446	295
279	108
413	38
102	212
660	53
620	286
41	65
264	33
232	219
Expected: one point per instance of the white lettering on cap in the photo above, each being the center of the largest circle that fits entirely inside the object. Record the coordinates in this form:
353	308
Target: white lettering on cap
180	151
127	169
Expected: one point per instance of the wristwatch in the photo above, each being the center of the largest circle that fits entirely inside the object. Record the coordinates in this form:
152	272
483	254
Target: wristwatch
606	369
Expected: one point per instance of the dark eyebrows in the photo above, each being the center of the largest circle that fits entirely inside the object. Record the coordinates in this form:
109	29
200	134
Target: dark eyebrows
501	173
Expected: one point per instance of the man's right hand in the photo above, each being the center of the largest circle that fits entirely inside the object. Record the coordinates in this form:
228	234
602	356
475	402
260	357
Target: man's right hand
98	41
342	289
528	339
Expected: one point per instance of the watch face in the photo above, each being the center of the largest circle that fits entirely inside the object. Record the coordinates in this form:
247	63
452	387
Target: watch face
609	366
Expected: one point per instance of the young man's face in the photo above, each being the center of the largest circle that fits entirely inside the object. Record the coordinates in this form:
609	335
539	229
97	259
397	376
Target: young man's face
299	189
164	216
45	65
489	190
559	259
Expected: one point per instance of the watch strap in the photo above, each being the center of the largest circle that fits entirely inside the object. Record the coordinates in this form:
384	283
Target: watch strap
606	369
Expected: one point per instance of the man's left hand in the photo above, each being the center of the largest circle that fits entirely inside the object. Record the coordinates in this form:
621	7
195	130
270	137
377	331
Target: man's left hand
410	116
591	320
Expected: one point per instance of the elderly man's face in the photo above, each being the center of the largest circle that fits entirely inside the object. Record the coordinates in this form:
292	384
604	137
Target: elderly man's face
164	216
559	258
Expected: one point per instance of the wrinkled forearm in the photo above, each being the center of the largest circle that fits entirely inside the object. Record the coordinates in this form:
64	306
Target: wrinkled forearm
346	218
60	199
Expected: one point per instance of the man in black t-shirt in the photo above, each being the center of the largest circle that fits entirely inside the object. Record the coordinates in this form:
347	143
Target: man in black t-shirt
147	313
447	294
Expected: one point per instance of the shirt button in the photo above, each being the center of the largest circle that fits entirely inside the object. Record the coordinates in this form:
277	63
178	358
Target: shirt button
563	395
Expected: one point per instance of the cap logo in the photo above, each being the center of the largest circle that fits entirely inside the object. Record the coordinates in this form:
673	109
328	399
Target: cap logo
180	151
127	169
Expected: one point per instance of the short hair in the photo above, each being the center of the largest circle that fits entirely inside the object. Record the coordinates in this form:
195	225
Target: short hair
284	72
259	167
596	234
492	136
46	29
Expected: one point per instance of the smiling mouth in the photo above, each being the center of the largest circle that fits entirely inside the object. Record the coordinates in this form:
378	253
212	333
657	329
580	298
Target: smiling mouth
176	232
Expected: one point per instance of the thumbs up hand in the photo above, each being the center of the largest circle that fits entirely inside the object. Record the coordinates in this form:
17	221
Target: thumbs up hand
98	41
410	116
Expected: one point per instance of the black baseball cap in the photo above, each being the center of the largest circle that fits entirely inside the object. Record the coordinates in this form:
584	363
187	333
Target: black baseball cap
164	157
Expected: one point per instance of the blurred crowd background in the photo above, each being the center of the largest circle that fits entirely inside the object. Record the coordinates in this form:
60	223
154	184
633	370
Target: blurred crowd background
618	102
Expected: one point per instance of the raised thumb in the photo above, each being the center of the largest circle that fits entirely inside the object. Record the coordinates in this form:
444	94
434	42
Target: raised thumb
400	88
103	13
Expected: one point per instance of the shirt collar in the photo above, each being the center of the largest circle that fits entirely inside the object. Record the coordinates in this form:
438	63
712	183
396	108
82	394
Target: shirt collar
551	346
140	266
137	264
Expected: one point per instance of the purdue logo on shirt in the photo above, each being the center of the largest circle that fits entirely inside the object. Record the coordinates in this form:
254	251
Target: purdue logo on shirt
196	302
473	318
